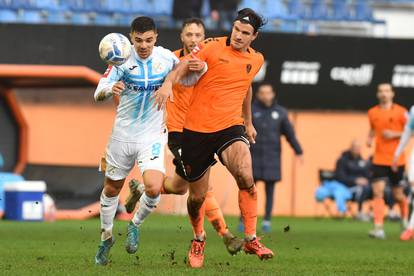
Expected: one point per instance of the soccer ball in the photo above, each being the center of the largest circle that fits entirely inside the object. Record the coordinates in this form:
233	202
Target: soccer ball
114	49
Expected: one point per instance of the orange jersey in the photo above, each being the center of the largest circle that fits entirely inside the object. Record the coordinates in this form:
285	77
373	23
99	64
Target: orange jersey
387	119
218	96
177	110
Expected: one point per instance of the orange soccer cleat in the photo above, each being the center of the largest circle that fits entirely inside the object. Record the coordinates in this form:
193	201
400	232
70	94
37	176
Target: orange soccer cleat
257	248
407	235
196	254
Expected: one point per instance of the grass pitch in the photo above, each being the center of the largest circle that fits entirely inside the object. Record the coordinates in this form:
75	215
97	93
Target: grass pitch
310	247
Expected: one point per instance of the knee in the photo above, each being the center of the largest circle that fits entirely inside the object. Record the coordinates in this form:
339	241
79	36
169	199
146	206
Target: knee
244	178
197	197
111	190
152	191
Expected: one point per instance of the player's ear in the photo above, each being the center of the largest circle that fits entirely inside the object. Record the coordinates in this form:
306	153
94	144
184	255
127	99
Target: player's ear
255	35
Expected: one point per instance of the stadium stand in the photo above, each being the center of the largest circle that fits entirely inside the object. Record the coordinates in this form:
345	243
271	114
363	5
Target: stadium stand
283	15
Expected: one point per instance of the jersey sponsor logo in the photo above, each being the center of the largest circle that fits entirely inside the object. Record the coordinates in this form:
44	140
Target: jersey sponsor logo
248	68
300	72
197	49
108	70
351	76
138	88
403	76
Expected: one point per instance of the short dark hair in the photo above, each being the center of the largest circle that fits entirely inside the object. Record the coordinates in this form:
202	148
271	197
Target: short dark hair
265	83
142	24
386	83
192	20
249	16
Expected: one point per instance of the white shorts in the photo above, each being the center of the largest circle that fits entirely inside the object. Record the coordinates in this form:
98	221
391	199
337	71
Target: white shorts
411	168
120	157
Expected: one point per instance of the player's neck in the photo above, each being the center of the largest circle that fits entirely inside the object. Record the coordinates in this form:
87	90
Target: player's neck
386	105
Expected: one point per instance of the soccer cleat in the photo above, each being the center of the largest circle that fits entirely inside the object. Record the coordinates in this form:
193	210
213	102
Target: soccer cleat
377	234
407	235
135	192
257	248
132	241
196	254
102	256
233	244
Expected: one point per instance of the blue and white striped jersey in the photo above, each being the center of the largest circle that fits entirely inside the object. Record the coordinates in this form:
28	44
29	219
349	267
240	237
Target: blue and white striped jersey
136	117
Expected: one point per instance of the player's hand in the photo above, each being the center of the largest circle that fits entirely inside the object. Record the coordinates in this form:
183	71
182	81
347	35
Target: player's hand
118	87
361	181
161	96
251	133
195	64
389	134
394	165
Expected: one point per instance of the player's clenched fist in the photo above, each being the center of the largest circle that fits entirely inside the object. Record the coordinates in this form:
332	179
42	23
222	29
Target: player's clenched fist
118	87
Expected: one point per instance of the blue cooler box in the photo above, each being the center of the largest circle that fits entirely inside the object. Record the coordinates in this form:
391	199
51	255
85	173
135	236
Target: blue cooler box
24	200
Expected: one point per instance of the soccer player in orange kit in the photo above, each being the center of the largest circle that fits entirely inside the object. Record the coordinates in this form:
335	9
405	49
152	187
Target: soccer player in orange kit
192	33
387	121
217	122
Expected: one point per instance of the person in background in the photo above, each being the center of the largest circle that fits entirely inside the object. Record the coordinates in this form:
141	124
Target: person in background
222	12
271	122
387	121
351	181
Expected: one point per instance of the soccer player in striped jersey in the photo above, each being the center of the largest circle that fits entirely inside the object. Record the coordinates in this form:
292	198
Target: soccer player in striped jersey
138	135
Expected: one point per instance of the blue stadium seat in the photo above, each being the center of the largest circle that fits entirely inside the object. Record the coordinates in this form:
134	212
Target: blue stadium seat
104	19
143	7
274	9
32	16
80	18
363	11
57	17
298	8
162	8
319	10
341	10
8	15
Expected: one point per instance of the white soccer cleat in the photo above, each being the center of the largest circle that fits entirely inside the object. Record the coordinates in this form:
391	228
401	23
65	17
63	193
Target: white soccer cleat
377	234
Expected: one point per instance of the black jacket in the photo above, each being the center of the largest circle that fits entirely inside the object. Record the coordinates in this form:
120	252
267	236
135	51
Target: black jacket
348	168
183	9
270	123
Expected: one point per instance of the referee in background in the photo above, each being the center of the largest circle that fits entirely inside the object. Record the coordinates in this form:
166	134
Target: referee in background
271	122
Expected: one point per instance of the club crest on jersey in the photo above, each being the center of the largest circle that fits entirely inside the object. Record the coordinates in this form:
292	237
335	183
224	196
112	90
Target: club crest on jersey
197	49
248	68
158	68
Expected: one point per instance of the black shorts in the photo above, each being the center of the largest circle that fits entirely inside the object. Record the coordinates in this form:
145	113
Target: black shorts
385	172
199	149
175	139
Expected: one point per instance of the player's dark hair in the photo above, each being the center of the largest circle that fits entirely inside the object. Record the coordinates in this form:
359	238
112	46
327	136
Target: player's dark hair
249	16
142	24
193	20
386	83
265	83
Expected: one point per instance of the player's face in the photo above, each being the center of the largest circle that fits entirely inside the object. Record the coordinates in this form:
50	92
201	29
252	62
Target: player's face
266	95
191	36
242	35
385	94
144	43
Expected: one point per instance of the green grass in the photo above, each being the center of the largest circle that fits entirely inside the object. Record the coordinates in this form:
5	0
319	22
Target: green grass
311	247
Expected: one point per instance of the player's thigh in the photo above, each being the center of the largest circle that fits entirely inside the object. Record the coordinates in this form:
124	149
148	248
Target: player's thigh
118	162
179	184
237	159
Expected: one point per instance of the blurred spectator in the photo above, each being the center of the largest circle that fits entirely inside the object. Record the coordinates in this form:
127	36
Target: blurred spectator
351	181
271	122
183	9
223	13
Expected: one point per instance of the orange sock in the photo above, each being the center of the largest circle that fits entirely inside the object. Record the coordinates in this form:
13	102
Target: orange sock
378	205
214	214
196	212
248	210
404	208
